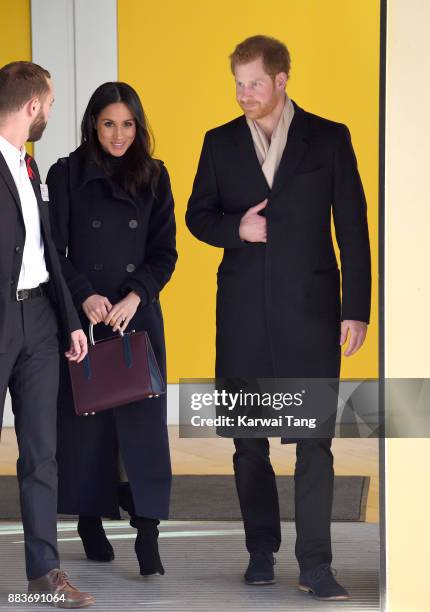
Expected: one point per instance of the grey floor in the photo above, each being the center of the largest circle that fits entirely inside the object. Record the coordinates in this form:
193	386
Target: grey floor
204	564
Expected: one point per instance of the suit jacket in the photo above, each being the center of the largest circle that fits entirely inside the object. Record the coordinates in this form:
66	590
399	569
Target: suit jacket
12	239
278	304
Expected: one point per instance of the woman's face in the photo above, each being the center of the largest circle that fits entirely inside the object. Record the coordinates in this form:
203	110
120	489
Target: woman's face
116	128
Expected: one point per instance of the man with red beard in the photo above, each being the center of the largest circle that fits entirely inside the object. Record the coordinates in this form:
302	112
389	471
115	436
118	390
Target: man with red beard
34	299
266	186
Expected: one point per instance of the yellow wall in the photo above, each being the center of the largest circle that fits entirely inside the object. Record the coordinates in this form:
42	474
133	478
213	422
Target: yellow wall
15	39
175	54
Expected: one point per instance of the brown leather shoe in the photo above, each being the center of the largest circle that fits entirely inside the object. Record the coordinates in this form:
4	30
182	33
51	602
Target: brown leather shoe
65	595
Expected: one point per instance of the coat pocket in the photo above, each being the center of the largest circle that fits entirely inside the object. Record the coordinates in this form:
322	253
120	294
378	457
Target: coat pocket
323	291
310	171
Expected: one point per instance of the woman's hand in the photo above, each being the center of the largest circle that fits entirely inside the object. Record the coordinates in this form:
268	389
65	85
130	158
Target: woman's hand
122	313
96	308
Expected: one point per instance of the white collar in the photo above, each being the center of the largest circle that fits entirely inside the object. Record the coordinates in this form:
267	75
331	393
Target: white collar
10	152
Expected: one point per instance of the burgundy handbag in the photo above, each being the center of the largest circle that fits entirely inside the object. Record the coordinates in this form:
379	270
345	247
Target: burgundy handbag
116	371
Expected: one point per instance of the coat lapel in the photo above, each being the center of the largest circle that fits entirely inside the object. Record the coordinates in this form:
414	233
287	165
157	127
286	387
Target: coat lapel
42	206
295	149
6	174
36	188
247	155
84	170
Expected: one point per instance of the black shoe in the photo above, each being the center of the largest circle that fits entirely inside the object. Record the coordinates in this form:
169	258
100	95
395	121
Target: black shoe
96	545
146	545
321	583
260	568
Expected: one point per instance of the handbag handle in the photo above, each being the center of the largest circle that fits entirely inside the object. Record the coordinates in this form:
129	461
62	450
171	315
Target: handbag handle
91	334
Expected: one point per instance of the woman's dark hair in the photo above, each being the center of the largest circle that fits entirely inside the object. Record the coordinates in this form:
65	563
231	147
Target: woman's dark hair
140	169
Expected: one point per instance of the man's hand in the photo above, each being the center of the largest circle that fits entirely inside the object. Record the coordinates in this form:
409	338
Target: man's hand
253	227
122	313
78	346
96	308
357	334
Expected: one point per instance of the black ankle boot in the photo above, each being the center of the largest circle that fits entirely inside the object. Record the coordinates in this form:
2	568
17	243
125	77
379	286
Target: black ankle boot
96	545
146	545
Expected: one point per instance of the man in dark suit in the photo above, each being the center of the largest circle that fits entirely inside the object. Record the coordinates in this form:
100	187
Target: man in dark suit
266	186
34	305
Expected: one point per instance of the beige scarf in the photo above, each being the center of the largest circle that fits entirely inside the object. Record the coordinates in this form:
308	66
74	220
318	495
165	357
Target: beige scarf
269	154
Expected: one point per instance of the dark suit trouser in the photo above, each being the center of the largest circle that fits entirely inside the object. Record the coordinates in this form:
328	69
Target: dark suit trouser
258	498
30	369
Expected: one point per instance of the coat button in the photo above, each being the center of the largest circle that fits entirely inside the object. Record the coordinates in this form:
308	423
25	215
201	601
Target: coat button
132	224
96	224
98	266
17	249
130	268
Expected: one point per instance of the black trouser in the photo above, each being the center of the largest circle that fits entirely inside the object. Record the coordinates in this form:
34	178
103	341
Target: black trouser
258	497
30	369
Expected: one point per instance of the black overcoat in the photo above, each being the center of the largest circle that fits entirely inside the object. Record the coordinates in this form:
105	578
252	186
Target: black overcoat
111	243
278	304
12	240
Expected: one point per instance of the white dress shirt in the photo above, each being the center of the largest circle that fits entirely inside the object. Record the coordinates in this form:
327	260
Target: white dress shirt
33	269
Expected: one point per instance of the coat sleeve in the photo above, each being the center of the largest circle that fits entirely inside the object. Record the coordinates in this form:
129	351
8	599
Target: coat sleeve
160	252
205	218
58	185
73	320
350	219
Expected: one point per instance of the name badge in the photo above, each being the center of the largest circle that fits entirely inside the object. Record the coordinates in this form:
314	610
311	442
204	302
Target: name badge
44	192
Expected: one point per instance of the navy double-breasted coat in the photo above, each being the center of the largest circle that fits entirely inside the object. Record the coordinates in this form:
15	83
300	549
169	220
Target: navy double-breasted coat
111	243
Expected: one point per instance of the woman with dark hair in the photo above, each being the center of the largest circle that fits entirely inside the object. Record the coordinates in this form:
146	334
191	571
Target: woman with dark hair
113	224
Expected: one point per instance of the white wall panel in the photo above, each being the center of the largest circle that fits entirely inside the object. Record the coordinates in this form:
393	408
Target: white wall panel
76	40
96	50
53	47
